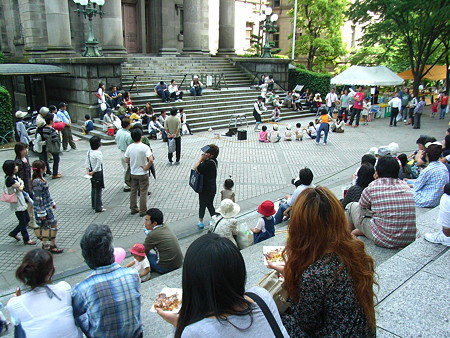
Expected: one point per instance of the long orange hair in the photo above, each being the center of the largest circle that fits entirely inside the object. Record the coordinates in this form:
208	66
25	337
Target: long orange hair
318	226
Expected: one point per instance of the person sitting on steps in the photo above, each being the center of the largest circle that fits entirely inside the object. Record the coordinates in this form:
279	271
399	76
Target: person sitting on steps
196	87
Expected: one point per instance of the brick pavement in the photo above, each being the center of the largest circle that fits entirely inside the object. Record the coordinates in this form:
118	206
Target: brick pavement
260	171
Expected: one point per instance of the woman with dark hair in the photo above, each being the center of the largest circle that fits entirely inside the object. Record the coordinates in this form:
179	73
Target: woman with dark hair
127	100
94	168
214	300
46	310
24	172
364	178
43	209
207	166
328	275
446	150
15	186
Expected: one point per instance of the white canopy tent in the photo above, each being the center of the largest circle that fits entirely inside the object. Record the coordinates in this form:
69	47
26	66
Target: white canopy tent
367	76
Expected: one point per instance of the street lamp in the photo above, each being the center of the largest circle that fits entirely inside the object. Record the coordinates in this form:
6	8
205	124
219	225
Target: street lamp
89	9
268	23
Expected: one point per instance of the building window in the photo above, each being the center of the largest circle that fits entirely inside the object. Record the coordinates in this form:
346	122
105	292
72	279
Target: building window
276	3
248	30
276	40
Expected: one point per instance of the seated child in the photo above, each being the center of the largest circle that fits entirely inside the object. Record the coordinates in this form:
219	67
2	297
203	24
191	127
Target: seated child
263	135
311	131
274	135
443	235
276	114
298	132
406	168
140	262
224	224
265	227
135	116
288	133
88	125
227	191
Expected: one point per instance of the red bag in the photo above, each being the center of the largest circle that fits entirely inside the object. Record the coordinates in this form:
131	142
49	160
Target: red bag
110	132
59	126
98	96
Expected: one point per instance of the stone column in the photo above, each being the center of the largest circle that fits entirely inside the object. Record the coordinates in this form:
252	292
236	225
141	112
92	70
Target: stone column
192	22
34	28
204	28
58	27
111	23
226	28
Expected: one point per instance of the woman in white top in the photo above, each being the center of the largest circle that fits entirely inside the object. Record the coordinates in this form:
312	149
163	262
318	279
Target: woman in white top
46	310
225	224
215	303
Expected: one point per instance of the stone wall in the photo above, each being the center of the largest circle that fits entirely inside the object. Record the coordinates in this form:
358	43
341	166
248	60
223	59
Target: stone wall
78	88
279	68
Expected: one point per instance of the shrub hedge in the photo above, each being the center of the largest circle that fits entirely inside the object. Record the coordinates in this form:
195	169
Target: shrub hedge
6	118
316	82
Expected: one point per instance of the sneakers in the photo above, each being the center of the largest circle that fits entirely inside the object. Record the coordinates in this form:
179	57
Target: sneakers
438	238
100	210
200	225
177	163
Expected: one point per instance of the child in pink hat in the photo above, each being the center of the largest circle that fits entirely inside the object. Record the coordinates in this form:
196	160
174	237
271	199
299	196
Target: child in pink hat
140	262
265	227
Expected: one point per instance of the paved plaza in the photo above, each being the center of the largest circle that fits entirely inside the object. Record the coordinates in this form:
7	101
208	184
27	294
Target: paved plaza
260	171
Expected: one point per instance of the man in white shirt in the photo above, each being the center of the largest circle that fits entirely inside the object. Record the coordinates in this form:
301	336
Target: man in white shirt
175	94
306	176
258	108
396	107
140	158
330	100
123	140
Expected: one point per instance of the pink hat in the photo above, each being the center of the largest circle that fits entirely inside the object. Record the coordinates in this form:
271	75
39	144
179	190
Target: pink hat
138	250
266	208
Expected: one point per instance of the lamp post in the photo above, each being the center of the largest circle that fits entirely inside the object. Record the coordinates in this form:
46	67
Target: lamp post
89	9
268	23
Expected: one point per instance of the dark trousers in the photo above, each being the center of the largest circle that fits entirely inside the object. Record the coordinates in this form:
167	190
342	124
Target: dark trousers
43	157
417	121
175	96
96	197
394	113
411	115
177	150
164	94
23	218
206	200
56	159
355	113
67	138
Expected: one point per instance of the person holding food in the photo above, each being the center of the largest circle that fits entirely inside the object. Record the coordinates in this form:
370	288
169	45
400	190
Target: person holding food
328	275
214	302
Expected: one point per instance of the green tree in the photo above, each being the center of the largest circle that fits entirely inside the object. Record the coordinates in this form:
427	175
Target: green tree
6	119
320	22
417	28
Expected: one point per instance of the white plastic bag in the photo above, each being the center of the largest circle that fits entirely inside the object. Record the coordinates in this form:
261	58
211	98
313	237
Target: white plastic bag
184	129
171	145
103	106
244	237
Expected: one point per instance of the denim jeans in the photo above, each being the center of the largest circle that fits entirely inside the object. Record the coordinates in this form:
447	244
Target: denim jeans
164	94
153	260
278	218
96	197
442	112
24	219
196	91
325	127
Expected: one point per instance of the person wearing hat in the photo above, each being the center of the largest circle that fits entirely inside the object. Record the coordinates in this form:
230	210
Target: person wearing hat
196	87
21	130
140	262
265	227
225	224
258	109
63	115
207	166
274	135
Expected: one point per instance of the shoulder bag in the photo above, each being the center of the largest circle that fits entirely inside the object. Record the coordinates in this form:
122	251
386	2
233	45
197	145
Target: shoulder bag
8	198
97	179
273	283
267	313
196	181
212	231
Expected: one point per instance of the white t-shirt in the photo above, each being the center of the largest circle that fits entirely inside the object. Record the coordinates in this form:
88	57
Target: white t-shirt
42	316
313	130
444	211
102	95
142	265
138	153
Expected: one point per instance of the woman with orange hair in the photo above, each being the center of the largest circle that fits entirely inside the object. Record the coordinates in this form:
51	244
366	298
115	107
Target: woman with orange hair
328	275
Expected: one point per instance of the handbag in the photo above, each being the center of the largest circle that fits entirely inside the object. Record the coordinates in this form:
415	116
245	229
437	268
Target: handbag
273	283
44	232
196	180
9	198
267	313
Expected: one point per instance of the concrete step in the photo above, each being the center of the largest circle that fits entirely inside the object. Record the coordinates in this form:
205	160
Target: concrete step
106	140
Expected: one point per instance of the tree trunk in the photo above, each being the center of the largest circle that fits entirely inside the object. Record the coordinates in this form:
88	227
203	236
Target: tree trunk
416	83
447	80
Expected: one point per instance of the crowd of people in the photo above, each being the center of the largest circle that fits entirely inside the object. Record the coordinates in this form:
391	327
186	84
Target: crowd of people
321	243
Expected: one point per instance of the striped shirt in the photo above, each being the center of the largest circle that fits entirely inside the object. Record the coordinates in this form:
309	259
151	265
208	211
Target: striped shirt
393	223
108	303
428	186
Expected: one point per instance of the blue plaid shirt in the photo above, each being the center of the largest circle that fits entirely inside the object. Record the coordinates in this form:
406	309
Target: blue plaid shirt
108	303
428	187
